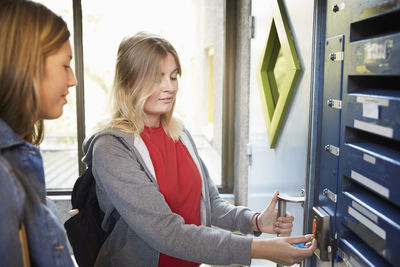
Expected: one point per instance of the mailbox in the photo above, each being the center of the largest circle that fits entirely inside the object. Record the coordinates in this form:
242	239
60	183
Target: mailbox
357	211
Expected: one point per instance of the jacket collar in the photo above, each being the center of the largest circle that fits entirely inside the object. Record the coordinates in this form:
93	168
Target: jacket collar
8	137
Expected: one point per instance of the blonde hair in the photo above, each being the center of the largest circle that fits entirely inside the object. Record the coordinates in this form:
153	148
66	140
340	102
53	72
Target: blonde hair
138	66
29	32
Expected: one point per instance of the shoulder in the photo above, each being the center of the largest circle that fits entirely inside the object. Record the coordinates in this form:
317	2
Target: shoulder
116	133
11	188
7	174
110	136
114	139
107	141
4	166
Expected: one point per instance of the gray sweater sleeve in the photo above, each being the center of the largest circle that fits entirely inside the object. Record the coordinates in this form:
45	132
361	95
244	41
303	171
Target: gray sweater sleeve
228	216
130	190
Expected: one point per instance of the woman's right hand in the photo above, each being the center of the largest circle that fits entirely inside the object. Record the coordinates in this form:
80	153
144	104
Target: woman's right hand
282	250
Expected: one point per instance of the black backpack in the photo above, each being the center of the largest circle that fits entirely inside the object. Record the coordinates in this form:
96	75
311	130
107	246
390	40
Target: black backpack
84	230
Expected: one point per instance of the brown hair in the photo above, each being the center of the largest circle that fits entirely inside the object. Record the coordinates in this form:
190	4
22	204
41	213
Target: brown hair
138	64
29	32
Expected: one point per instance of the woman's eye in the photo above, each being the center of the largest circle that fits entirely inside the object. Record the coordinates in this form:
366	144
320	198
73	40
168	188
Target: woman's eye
174	78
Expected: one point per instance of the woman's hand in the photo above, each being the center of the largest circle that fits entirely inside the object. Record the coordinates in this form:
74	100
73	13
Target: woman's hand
268	222
282	250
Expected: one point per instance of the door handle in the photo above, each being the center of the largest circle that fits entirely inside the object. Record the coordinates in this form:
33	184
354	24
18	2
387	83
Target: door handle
282	200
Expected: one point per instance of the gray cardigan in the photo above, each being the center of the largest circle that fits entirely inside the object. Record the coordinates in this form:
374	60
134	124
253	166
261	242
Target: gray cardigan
126	181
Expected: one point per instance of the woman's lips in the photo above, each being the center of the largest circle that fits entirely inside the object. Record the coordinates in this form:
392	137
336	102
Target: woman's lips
166	99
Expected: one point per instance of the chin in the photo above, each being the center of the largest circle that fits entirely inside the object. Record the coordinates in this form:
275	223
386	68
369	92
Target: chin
52	115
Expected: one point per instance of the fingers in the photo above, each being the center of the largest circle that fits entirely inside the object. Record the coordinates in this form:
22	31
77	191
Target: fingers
282	250
302	253
313	245
297	254
274	200
287	219
283	232
283	228
300	239
307	251
284	225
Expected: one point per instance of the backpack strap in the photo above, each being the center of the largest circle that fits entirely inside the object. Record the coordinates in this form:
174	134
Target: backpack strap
24	245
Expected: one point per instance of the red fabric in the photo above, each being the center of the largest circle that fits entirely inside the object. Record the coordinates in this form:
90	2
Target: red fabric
179	181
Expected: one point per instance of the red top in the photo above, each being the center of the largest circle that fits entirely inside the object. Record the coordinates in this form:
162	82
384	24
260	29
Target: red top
179	183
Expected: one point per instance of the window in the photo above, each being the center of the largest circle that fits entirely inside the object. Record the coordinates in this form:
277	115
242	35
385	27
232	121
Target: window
195	28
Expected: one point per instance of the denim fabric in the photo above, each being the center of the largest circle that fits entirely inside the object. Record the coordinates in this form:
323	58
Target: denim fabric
23	200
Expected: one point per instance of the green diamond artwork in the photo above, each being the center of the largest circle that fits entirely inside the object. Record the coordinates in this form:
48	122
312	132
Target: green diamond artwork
277	72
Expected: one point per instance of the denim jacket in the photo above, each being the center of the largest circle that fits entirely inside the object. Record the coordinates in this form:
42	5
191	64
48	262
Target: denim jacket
23	200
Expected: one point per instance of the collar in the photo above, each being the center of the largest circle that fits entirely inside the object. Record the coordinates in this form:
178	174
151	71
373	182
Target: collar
8	137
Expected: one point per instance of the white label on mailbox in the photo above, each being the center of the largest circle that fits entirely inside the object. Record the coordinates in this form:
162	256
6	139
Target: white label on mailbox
376	51
370	110
364	220
373	128
364	211
369	158
369	183
378	101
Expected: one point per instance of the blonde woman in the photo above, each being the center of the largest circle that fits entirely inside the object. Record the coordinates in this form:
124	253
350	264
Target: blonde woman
35	75
147	168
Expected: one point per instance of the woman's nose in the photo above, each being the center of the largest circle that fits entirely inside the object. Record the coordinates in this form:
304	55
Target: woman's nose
170	85
72	79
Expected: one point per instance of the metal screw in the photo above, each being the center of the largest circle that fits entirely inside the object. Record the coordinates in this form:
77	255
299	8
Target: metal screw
332	56
329	102
335	8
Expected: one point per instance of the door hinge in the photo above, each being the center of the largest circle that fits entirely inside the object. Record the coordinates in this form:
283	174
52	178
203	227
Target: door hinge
332	149
332	196
252	22
337	56
334	103
249	153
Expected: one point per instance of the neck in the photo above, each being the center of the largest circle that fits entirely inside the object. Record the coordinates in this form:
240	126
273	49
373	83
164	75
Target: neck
152	121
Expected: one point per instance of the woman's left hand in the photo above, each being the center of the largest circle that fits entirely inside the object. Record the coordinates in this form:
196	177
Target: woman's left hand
269	223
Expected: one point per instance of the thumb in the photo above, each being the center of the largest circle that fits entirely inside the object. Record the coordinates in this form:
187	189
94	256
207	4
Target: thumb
299	239
274	200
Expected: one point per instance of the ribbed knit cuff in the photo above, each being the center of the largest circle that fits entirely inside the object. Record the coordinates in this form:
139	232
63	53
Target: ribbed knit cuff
240	249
